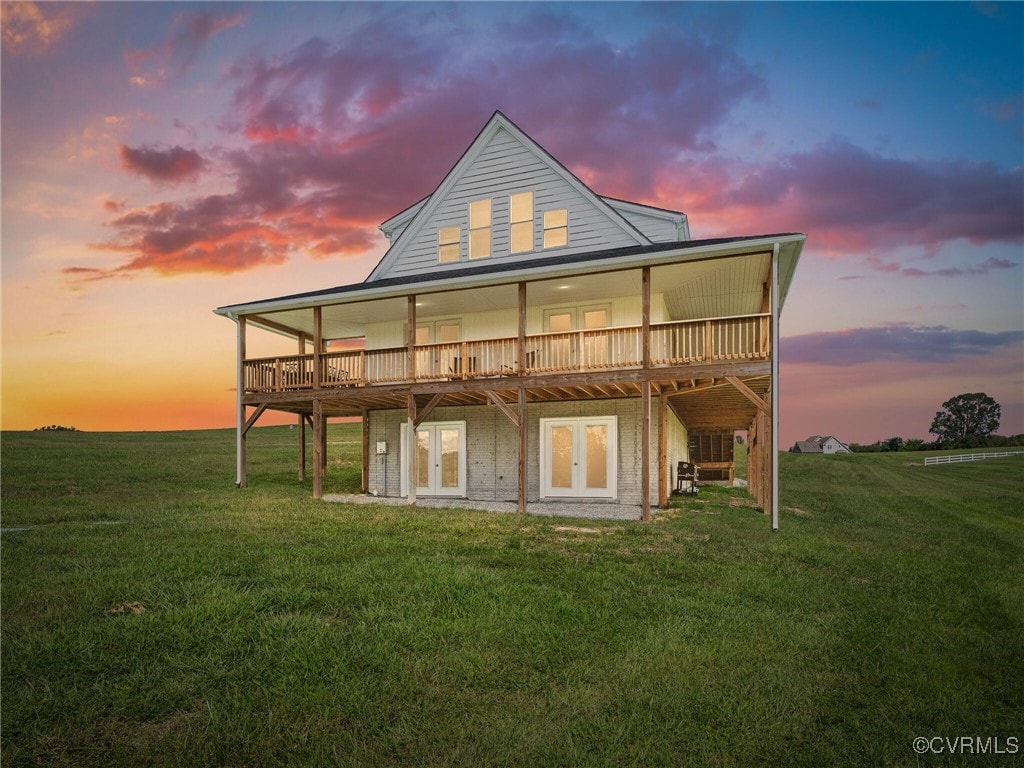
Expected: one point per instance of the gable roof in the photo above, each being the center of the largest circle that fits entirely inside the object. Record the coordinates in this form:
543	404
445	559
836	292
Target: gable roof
424	213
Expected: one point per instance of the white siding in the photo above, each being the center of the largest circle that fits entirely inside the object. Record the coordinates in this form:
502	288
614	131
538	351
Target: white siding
504	323
492	447
657	229
503	167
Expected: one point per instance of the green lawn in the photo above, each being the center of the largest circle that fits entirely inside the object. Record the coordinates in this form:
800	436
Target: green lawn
279	631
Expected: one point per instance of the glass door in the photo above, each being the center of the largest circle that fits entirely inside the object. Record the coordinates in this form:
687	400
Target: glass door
440	460
578	457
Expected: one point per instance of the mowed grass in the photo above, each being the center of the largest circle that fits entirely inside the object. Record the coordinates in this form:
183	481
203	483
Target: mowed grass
155	615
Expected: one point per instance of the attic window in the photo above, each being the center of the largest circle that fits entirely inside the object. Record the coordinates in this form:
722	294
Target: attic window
480	228
556	228
521	222
448	241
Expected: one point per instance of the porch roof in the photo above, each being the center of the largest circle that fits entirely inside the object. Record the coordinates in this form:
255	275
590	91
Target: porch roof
497	273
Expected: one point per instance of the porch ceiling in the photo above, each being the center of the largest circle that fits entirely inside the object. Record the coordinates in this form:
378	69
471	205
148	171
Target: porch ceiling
702	289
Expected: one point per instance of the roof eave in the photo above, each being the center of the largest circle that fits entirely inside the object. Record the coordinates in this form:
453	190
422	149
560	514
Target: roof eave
669	253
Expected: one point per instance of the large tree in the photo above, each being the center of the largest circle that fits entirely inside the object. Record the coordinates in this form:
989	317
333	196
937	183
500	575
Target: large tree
973	414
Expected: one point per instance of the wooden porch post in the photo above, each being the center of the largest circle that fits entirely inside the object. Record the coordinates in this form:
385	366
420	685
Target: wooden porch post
774	426
521	398
302	423
521	335
410	370
410	448
302	448
365	484
645	397
323	443
662	450
318	449
645	451
240	413
318	345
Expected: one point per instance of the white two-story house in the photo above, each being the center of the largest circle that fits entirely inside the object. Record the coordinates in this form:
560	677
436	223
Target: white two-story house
526	339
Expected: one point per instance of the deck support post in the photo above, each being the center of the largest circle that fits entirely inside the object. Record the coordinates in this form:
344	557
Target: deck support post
410	448
302	423
240	411
521	471
323	444
645	452
364	484
663	480
302	448
645	396
774	425
318	449
410	403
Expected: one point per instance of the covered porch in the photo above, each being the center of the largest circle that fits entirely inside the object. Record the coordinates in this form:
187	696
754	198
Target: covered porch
696	337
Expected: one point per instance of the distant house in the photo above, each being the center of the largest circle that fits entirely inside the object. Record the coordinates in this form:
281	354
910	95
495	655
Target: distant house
526	338
819	444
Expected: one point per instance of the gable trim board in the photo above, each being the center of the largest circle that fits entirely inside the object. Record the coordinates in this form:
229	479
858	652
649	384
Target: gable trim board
475	176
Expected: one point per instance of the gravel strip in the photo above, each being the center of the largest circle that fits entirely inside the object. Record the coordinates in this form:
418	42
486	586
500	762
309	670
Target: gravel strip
587	510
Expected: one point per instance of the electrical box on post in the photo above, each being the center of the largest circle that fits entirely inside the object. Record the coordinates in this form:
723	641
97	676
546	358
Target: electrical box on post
382	448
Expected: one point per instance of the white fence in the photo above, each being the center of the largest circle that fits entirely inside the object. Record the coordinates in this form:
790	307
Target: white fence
961	457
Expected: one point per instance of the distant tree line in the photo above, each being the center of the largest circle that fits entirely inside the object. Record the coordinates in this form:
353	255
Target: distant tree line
965	421
915	444
55	428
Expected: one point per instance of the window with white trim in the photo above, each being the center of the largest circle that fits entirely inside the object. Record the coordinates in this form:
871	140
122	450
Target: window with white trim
520	222
448	244
556	228
480	228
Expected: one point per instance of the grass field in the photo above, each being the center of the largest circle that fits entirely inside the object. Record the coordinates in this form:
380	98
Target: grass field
152	614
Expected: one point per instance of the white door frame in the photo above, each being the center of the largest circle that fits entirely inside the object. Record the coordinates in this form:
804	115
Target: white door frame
434	489
579	489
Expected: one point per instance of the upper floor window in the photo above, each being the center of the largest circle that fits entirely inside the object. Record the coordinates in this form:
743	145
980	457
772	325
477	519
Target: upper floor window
448	244
480	228
521	222
556	228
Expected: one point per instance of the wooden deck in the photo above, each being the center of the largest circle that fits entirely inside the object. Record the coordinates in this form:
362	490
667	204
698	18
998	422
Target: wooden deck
690	343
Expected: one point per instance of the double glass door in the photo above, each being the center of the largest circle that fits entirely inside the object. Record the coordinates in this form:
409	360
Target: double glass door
440	459
578	457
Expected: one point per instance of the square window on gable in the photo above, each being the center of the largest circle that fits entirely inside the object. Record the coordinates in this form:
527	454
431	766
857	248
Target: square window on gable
480	228
521	222
556	228
448	244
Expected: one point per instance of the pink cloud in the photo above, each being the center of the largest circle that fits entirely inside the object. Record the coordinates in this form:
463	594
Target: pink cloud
340	136
172	165
33	28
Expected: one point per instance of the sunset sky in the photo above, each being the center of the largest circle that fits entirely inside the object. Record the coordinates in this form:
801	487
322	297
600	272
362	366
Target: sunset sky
163	159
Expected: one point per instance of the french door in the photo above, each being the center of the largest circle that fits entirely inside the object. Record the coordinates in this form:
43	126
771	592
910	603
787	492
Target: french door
578	457
440	459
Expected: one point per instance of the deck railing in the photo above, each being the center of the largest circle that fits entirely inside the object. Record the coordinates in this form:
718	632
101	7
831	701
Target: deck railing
677	343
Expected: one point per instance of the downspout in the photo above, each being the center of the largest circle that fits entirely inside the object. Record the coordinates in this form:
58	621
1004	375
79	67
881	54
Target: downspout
775	388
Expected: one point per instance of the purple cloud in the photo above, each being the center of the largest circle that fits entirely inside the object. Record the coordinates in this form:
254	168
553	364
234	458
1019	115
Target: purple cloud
844	193
343	136
188	37
895	342
173	165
